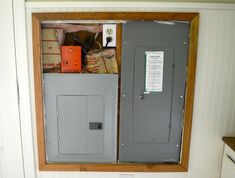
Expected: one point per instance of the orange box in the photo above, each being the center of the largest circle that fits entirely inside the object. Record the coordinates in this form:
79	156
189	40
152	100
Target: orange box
71	59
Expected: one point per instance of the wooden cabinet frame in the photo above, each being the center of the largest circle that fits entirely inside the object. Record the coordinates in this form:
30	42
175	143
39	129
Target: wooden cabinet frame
192	18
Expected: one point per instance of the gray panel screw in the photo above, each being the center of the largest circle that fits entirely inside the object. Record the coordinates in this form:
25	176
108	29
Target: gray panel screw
185	43
124	96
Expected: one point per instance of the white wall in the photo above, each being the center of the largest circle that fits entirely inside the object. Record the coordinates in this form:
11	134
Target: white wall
11	161
214	106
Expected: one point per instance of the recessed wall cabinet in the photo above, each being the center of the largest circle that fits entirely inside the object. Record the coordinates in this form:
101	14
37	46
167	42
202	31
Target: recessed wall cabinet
137	119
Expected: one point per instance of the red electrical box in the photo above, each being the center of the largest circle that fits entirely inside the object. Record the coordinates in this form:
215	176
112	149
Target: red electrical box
71	59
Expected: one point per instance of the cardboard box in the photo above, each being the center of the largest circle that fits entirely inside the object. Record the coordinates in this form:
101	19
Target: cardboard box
51	55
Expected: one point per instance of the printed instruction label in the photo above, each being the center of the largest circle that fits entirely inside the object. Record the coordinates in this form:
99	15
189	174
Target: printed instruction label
154	71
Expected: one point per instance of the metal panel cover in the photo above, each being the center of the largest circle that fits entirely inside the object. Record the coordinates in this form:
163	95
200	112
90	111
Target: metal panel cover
72	102
151	122
74	116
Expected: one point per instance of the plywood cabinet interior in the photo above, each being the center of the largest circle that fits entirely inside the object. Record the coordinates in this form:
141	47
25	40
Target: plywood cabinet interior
191	18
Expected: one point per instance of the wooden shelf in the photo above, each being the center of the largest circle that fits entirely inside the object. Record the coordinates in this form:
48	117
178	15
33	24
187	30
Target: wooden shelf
230	141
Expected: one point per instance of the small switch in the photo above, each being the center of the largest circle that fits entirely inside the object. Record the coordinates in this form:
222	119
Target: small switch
95	125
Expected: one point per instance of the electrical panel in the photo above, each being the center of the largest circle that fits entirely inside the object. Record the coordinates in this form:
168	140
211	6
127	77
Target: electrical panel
154	69
80	117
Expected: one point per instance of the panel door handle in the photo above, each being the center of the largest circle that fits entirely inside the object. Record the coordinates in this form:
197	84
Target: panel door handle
141	96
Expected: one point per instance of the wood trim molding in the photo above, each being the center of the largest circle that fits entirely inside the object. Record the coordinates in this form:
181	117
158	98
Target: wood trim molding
193	18
36	27
115	16
189	93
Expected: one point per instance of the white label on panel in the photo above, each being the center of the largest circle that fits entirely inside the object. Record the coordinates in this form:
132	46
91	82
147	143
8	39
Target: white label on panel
154	71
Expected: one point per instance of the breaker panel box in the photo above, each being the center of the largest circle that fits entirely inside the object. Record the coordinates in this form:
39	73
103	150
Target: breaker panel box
154	69
71	59
80	117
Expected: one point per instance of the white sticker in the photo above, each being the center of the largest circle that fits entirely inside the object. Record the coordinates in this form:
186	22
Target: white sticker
154	71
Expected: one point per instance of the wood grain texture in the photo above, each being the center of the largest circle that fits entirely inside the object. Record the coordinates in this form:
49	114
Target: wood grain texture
119	46
181	167
36	27
230	141
114	167
115	16
119	58
189	94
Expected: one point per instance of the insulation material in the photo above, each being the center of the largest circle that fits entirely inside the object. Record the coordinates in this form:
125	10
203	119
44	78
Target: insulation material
102	62
63	28
68	28
51	56
50	47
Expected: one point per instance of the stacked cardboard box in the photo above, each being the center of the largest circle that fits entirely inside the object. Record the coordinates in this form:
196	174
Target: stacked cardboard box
51	55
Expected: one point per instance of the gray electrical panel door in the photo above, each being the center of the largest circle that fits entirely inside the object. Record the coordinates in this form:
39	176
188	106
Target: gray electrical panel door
154	67
80	117
75	135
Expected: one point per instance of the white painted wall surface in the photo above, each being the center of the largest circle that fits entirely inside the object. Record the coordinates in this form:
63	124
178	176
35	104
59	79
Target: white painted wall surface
1	147
214	106
11	164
